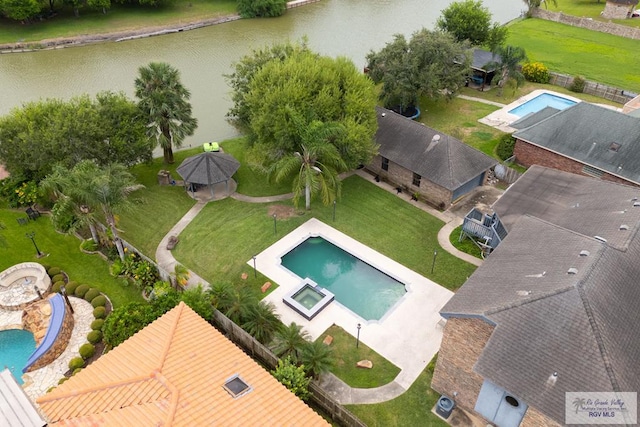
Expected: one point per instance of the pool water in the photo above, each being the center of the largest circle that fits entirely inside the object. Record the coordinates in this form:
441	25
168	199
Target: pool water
541	101
16	345
357	285
308	297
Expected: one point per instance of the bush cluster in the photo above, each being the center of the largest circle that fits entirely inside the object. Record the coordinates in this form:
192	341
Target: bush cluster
91	294
99	301
143	274
81	290
578	84
87	350
96	325
71	287
75	363
58	278
53	271
504	150
94	337
99	312
19	193
56	287
261	8
535	72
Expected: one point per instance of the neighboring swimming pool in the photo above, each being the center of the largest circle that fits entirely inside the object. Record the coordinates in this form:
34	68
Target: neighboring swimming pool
357	285
16	345
541	101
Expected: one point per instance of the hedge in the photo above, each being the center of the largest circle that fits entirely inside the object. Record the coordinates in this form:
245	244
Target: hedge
99	312
96	325
53	271
94	337
75	363
91	294
81	290
87	350
99	301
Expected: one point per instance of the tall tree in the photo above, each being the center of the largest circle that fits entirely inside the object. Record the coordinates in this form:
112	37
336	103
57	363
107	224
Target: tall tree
261	8
509	65
262	322
470	20
20	10
431	64
316	357
164	103
317	163
318	88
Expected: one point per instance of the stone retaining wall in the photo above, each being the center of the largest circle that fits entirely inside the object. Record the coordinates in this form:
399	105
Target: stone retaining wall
588	23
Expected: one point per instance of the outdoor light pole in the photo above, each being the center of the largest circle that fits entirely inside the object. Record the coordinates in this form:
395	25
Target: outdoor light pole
275	224
334	210
255	274
435	254
63	291
358	336
32	235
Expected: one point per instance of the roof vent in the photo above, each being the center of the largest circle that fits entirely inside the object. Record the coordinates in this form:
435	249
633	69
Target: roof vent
633	199
624	227
236	386
584	253
615	147
523	293
384	114
602	239
434	141
572	270
537	275
636	204
552	379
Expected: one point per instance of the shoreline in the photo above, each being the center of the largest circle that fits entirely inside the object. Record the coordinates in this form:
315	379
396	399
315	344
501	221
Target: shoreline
124	35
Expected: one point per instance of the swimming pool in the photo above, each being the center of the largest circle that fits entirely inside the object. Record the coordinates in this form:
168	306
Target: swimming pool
357	285
541	101
16	345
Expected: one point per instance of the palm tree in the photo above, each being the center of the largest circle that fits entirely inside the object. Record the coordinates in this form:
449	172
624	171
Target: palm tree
534	4
316	165
289	341
316	358
262	322
220	293
164	101
509	65
238	304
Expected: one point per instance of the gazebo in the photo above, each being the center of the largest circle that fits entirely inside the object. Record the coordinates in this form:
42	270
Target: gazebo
483	74
209	168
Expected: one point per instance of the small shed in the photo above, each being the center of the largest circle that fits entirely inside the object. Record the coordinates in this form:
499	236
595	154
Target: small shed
208	168
482	70
619	9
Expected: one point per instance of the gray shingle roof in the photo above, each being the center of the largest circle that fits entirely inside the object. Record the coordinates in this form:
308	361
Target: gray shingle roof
208	168
584	326
584	132
533	118
449	163
482	57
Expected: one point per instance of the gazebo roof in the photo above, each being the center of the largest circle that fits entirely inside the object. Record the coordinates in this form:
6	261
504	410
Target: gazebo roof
208	168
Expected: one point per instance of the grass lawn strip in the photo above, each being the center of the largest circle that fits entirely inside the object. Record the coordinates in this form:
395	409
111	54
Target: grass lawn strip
347	355
227	233
467	246
63	251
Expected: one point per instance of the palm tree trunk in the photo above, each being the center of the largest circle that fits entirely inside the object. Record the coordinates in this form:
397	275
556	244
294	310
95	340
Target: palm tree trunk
168	155
307	196
116	237
94	234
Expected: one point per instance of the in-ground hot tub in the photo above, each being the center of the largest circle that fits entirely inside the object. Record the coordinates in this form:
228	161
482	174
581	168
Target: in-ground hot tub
22	284
308	299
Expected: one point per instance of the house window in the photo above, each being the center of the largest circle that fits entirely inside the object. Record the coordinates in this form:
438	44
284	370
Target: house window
385	164
236	387
416	179
590	170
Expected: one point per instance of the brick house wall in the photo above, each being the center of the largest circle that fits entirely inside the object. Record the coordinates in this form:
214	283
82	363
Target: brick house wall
430	192
529	154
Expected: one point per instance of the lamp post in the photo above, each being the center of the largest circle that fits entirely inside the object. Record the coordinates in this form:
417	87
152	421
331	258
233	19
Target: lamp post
275	225
358	336
63	291
433	264
334	210
32	235
255	274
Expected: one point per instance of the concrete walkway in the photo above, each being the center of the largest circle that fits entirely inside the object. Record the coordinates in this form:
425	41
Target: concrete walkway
484	101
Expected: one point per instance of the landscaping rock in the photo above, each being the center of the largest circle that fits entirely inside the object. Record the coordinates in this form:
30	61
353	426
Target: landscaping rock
173	241
244	276
327	340
366	364
265	287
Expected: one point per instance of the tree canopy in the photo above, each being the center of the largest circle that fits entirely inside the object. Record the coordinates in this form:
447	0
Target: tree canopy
261	8
470	20
270	83
38	135
431	63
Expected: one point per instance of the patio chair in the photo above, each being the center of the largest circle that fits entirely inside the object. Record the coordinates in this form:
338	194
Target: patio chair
32	213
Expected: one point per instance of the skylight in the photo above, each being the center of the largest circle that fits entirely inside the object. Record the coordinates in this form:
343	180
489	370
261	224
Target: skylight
236	387
615	147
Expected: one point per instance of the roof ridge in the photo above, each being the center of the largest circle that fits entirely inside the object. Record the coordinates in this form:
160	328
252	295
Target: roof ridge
519	303
96	388
172	331
175	396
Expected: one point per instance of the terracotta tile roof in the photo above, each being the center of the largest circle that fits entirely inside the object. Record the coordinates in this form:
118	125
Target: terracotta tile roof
172	373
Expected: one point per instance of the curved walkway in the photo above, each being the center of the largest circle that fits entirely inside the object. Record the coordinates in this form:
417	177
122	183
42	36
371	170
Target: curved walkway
339	390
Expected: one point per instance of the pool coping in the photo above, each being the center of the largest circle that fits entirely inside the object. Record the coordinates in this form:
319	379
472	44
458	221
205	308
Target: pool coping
501	119
408	335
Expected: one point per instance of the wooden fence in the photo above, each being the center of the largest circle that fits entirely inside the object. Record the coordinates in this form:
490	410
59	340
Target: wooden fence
592	88
259	351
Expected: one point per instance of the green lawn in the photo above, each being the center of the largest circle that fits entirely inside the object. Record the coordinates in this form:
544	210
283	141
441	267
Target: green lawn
121	17
63	251
347	355
466	246
220	240
412	408
570	50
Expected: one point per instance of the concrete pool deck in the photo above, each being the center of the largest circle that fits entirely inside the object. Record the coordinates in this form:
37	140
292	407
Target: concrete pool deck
501	119
408	335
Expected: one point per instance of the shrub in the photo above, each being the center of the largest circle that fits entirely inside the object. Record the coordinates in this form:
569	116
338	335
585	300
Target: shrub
91	294
47	267
81	291
58	278
56	287
96	325
63	216
261	8
125	321
94	337
578	84
87	350
99	312
292	377
504	150
89	245
99	301
75	371
53	271
535	72
75	363
71	287
62	380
